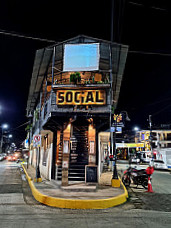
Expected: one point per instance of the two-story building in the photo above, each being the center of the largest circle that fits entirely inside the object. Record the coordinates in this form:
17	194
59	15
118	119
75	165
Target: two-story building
160	138
74	84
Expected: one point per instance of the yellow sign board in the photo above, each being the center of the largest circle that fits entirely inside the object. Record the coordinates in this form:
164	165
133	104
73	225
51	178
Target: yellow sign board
81	97
134	144
130	145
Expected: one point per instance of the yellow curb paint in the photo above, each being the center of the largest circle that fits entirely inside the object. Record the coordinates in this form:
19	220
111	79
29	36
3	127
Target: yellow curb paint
38	179
76	204
116	183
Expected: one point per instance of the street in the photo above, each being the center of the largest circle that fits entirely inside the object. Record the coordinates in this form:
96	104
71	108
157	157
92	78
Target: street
19	209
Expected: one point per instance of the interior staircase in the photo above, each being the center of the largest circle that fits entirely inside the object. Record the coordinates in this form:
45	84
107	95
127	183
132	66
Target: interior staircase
78	155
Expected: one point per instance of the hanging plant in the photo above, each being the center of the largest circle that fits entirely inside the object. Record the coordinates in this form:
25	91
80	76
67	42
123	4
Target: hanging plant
29	126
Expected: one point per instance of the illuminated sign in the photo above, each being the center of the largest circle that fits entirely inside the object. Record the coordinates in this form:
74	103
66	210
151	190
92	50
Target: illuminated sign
129	145
81	97
117	120
81	57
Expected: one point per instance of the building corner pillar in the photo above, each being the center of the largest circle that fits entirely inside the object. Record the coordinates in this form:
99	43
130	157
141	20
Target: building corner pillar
66	154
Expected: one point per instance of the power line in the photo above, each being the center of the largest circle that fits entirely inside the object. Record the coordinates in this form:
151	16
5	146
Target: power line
11	33
150	7
22	125
150	53
13	129
161	110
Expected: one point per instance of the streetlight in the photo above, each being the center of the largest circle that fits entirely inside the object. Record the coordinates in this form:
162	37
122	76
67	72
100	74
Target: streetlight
151	140
122	116
136	128
3	127
10	136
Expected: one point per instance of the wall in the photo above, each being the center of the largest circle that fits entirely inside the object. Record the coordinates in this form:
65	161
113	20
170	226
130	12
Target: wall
45	170
45	163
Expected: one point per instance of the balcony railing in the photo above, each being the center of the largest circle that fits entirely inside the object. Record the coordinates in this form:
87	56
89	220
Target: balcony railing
46	110
83	78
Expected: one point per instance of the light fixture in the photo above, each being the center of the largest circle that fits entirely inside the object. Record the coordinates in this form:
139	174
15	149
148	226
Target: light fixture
136	128
4	126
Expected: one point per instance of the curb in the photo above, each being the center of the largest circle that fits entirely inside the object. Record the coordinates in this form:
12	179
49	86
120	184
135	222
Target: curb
76	204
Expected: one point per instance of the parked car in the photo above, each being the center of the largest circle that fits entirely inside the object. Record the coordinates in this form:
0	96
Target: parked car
4	155
135	160
159	164
11	158
146	156
1	158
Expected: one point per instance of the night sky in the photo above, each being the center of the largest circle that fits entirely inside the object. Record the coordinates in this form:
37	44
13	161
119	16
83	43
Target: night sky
144	25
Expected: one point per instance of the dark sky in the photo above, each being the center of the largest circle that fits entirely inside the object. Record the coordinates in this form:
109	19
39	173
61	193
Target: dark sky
144	25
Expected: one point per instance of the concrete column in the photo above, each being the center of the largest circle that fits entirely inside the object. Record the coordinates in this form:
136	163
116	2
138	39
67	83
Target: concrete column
57	147
66	153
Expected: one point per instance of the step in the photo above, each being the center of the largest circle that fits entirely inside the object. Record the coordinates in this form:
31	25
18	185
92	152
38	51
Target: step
76	175
76	178
76	170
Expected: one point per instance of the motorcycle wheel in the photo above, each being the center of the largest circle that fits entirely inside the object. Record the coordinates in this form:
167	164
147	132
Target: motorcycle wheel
145	184
126	181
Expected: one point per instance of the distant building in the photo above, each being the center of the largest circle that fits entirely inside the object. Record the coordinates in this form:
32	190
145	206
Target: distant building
69	99
160	138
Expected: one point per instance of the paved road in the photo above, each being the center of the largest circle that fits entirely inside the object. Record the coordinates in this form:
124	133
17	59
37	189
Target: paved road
161	182
160	200
19	209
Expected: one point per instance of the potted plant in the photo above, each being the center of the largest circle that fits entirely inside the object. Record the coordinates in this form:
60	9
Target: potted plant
78	77
72	78
75	77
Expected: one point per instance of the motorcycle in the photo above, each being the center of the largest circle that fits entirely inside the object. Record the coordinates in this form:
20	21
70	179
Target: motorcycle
138	177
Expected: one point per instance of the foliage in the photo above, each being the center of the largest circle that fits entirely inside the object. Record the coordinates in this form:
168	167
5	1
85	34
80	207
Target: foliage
37	114
75	77
29	126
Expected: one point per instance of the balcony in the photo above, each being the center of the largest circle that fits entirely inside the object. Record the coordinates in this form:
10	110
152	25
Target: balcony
52	108
79	78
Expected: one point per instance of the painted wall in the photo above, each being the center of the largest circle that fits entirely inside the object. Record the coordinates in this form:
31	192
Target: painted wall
45	170
45	163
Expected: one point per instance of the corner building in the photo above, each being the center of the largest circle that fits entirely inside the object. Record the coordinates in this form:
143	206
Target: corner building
71	107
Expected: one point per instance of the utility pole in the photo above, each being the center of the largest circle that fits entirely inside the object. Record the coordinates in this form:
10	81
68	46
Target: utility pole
151	137
111	79
115	179
115	173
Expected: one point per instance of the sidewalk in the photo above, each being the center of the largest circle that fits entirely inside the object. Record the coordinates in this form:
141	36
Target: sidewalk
77	195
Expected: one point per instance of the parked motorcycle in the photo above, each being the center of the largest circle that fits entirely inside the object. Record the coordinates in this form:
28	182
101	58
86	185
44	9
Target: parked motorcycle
138	177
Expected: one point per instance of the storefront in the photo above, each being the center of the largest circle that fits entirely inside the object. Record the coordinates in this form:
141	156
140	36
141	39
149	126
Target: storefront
123	151
74	102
